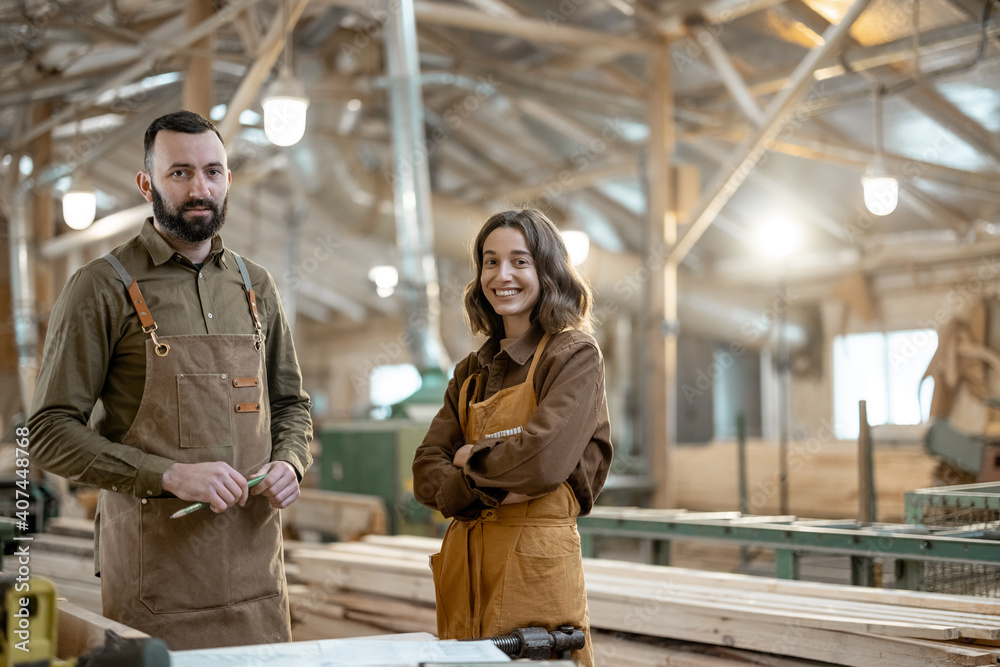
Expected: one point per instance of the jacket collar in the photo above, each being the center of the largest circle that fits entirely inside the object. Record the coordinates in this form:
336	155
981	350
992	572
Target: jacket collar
519	351
161	252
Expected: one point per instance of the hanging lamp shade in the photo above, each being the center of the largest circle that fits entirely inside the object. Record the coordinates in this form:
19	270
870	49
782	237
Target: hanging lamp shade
79	204
285	104
881	188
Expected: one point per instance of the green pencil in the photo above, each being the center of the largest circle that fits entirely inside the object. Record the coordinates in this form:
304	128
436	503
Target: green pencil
197	506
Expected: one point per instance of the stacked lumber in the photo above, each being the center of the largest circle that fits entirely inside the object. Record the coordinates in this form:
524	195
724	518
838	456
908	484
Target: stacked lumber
335	514
386	582
822	477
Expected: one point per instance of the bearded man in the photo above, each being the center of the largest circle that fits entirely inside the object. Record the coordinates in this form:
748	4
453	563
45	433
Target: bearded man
186	347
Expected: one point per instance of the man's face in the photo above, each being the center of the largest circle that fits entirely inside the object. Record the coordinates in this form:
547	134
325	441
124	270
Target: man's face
188	185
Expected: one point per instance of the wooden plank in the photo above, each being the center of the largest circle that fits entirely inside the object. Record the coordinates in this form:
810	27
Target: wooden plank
81	630
600	594
957	603
346	516
841	648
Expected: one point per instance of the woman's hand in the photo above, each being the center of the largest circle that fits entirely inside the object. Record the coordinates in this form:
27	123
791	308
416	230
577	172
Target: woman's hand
462	456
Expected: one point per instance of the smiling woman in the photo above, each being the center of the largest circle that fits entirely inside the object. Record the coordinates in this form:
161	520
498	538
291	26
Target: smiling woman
522	445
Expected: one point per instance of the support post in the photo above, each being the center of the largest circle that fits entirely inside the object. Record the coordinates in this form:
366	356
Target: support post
787	562
199	91
866	468
661	326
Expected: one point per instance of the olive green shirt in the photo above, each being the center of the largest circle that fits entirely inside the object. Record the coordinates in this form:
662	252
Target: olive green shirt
95	349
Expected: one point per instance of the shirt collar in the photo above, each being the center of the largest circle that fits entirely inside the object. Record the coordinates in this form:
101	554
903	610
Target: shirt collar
519	350
161	252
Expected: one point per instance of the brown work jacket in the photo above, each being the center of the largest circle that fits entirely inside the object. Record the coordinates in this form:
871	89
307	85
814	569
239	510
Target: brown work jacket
567	439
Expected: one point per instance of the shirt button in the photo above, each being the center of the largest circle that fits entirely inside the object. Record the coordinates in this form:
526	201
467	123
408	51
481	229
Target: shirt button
143	501
114	488
148	493
199	274
210	316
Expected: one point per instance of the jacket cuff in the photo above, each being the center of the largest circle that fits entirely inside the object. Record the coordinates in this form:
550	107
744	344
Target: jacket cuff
297	464
455	494
149	478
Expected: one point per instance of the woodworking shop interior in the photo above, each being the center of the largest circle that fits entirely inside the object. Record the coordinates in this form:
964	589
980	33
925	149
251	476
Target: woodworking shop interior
788	212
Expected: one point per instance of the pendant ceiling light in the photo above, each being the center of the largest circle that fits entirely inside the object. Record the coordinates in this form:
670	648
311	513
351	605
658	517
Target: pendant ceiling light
285	103
79	202
881	188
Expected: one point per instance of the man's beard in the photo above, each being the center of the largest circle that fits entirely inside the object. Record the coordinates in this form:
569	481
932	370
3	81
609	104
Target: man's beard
189	230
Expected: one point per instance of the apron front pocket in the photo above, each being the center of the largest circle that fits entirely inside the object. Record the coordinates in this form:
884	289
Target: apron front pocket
205	413
539	588
207	560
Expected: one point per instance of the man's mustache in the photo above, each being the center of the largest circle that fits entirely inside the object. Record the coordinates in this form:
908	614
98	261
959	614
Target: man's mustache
200	203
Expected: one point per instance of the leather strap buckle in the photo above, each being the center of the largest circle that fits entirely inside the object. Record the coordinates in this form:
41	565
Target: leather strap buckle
161	349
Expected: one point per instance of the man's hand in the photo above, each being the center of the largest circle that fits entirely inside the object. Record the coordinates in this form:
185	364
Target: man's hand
215	483
280	487
462	456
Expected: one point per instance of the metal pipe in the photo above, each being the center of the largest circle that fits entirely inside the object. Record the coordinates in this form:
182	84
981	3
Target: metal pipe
411	190
750	153
23	296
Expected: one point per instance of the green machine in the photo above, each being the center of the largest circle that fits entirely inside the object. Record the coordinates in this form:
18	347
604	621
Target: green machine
374	458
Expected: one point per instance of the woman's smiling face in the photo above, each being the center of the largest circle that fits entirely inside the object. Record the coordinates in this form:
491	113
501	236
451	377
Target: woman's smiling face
509	279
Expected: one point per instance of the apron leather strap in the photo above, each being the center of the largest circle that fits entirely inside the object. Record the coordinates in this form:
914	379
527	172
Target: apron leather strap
139	303
251	297
468	387
132	287
534	360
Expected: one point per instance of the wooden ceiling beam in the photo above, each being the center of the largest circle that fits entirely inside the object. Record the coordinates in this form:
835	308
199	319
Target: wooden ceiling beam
534	30
142	68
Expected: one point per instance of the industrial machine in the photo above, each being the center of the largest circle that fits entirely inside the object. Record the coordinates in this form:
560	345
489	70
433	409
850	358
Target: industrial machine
541	644
30	633
975	456
375	458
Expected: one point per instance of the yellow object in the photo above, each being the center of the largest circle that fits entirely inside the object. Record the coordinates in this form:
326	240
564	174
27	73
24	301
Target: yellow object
29	610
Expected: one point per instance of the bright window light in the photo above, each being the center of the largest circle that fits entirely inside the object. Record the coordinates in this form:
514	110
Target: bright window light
391	384
578	245
884	370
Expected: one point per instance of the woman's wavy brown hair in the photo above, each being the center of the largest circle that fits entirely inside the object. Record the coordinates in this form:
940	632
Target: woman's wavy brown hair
565	301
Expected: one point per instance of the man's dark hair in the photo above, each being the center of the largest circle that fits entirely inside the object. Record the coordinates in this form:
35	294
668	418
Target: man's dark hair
187	122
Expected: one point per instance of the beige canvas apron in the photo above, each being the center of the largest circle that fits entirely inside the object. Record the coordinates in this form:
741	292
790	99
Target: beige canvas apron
516	565
206	579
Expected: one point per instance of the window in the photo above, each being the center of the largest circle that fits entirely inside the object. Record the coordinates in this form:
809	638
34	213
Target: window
883	369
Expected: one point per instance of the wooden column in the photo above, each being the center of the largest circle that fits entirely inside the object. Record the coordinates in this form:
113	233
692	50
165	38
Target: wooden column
43	221
199	90
661	325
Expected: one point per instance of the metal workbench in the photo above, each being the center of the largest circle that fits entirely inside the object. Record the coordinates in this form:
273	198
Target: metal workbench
910	546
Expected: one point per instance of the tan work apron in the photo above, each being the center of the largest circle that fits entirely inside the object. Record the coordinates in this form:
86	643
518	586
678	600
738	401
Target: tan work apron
516	565
203	580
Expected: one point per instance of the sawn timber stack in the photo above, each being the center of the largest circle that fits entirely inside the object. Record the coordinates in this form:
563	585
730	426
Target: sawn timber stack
386	582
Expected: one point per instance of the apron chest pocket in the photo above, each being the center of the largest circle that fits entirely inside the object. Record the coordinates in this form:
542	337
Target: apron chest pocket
204	410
